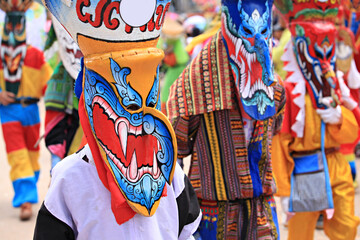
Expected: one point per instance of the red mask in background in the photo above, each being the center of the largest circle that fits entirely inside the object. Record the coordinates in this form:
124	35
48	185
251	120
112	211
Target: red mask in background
315	47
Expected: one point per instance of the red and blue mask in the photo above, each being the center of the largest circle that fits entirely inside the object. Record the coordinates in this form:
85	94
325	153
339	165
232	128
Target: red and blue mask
135	139
132	142
246	29
13	49
315	47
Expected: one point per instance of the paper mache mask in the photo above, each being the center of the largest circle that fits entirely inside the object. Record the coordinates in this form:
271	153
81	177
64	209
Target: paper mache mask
314	41
13	42
315	47
69	51
135	142
246	29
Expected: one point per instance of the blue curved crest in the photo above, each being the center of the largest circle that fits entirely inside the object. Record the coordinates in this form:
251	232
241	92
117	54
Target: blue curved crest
96	85
127	93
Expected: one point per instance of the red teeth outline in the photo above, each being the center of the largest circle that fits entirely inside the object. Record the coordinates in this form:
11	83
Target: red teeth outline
137	154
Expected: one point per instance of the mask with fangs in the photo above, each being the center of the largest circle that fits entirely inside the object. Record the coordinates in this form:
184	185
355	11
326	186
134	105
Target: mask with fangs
314	47
246	29
132	142
135	139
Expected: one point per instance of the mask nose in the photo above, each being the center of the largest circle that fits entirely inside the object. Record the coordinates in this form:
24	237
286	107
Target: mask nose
263	56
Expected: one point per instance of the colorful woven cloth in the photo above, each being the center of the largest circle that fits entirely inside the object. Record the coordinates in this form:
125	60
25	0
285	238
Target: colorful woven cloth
243	218
220	168
213	92
205	114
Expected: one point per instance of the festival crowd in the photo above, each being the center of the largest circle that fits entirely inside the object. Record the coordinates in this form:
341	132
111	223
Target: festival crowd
262	96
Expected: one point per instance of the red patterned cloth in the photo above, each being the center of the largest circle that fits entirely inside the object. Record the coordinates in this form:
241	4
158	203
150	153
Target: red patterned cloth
205	84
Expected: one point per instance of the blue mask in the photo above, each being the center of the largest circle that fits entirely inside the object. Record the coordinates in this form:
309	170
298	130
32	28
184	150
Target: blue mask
246	29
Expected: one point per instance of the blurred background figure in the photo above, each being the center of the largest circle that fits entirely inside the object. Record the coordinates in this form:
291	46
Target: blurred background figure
194	25
23	77
281	36
63	132
210	12
279	26
318	119
172	41
347	71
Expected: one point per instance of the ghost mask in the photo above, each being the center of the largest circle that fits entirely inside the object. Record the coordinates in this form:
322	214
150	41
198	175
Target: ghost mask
13	49
246	29
315	47
132	142
69	51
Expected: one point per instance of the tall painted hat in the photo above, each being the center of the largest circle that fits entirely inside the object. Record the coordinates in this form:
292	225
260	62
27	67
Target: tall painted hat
111	22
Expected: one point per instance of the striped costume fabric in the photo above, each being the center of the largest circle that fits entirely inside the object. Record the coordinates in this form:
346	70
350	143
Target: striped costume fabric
213	92
243	219
222	171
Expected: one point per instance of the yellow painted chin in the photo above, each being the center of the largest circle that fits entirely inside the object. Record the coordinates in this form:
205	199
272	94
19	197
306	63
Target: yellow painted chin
143	210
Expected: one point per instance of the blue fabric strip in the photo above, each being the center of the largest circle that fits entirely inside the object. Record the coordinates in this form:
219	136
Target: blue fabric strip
326	170
79	80
25	191
353	168
207	229
37	174
275	219
306	164
28	115
291	193
254	156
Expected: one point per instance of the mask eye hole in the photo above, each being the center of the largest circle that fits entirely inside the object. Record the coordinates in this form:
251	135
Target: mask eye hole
152	105
247	30
133	107
264	31
328	55
319	54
